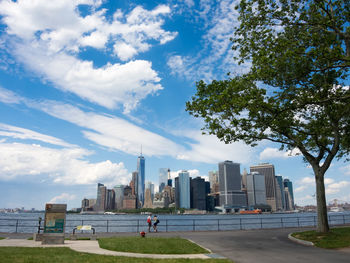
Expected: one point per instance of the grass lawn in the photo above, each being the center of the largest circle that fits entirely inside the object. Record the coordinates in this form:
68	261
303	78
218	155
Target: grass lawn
336	238
64	255
2	238
151	245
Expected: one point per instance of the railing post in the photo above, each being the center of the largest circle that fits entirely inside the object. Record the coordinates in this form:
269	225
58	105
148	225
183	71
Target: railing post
240	223
138	225
314	220
166	225
261	225
281	222
298	221
343	219
16	225
193	225
107	226
218	224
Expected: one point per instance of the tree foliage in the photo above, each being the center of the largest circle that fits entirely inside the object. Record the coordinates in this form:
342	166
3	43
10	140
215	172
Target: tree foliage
295	92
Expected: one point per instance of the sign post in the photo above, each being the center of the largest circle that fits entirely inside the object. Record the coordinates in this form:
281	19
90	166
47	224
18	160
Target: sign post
55	224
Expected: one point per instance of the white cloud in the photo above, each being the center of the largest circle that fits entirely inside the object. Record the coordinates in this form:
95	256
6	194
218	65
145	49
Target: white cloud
62	198
113	132
217	55
273	153
7	96
208	148
50	34
307	180
116	133
64	166
337	187
25	134
109	86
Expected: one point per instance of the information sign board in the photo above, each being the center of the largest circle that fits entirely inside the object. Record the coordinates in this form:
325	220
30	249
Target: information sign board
55	218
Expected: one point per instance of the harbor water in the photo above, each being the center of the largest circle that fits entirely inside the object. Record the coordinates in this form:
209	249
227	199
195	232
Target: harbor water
28	222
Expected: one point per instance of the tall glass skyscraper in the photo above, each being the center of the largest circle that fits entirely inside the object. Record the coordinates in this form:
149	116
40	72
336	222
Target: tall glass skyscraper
141	180
268	170
230	183
183	190
163	178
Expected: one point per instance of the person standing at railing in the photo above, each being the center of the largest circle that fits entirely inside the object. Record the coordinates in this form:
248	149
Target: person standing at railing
155	223
149	222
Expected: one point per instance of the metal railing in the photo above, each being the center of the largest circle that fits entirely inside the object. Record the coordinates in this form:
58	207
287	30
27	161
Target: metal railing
178	224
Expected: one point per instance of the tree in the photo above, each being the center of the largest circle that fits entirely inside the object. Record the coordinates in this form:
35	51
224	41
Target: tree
295	92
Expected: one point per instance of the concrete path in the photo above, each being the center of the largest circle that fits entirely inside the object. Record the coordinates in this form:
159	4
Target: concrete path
265	246
92	246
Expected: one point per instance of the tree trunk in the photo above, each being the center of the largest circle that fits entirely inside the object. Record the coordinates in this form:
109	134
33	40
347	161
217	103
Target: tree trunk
322	217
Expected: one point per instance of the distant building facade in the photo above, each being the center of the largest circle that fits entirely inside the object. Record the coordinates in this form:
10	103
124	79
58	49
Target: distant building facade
119	196
141	180
231	194
268	170
182	186
198	193
101	197
256	191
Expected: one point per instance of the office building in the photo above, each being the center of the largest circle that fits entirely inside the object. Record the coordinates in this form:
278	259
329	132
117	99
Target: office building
290	202
214	181
231	195
134	183
150	185
119	196
198	193
244	180
163	178
256	189
110	199
141	180
148	199
182	190
101	197
280	202
268	170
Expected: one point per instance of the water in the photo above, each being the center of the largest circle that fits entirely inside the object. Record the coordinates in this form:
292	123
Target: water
28	222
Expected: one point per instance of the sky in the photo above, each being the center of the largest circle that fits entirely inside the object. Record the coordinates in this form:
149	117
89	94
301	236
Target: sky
86	85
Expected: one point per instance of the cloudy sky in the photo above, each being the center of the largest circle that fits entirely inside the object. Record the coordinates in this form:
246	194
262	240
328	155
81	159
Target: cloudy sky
85	83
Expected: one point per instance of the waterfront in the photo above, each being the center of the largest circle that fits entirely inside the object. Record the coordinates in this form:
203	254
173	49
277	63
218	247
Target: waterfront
28	222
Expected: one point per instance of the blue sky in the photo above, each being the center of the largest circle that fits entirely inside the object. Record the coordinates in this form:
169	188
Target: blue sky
83	84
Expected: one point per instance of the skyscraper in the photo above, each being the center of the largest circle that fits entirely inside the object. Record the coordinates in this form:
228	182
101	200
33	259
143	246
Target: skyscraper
214	181
288	185
231	194
280	198
268	170
101	197
141	180
198	193
119	196
182	192
256	189
163	178
110	199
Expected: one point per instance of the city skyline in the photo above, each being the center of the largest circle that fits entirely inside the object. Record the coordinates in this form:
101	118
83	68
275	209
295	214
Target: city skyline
83	84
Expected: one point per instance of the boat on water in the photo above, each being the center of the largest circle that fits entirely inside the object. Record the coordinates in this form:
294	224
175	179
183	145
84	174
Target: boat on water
336	209
250	212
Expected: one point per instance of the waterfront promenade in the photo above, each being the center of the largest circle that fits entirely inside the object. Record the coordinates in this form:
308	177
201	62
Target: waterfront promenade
246	246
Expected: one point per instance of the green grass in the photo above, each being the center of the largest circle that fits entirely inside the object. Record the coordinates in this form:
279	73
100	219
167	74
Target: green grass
64	255
151	245
2	238
336	238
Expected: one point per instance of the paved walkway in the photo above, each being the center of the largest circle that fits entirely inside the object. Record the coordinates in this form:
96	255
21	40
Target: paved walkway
245	246
92	246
